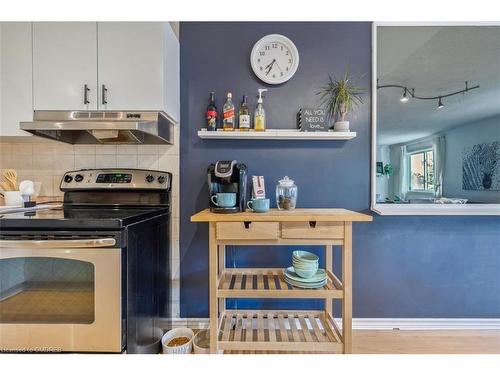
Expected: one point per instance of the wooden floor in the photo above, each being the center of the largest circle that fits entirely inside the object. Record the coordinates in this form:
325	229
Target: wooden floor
426	342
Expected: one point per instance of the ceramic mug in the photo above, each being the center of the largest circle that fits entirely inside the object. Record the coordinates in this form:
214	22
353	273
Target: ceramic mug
258	205
224	199
13	198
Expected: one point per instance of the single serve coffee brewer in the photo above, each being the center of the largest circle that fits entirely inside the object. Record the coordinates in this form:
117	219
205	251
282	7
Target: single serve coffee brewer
227	185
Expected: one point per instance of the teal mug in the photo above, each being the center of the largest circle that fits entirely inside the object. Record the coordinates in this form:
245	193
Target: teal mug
224	199
258	205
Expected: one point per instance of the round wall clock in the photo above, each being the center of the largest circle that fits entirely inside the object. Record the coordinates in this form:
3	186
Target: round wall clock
274	59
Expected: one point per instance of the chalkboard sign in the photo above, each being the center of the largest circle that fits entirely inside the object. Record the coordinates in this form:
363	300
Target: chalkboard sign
312	120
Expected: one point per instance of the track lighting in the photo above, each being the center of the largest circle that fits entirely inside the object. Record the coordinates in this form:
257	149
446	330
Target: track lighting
410	93
404	98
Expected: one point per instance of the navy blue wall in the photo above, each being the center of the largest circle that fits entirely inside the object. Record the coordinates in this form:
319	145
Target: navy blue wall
403	266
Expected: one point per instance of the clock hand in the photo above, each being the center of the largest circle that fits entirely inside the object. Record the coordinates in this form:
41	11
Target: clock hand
281	70
270	66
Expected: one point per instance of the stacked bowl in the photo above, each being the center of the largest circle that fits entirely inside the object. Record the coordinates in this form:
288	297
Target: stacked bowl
305	272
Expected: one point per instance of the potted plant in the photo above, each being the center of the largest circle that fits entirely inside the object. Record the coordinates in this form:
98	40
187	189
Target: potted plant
340	97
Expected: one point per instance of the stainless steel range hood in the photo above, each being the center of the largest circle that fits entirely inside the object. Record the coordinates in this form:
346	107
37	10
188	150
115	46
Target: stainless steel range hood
105	127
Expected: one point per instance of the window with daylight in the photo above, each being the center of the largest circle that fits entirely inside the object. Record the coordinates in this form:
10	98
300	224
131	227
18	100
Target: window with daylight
421	170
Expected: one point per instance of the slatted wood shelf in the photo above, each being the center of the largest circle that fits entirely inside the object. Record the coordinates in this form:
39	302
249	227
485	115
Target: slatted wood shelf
270	283
292	331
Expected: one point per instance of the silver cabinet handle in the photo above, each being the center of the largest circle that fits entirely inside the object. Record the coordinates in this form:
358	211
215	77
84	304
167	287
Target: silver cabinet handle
104	94
35	244
86	94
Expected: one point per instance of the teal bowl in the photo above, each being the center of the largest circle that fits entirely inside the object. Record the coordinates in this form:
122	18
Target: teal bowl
304	256
305	273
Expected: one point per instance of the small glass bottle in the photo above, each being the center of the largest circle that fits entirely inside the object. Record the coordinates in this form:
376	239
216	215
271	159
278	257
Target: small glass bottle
244	115
211	114
228	117
286	194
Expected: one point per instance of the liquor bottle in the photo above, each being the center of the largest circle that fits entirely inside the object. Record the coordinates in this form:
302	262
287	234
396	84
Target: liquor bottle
211	114
229	117
244	115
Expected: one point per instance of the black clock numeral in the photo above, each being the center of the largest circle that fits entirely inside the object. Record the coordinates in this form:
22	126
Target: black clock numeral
275	45
287	68
282	73
290	61
274	75
287	52
262	53
267	48
261	68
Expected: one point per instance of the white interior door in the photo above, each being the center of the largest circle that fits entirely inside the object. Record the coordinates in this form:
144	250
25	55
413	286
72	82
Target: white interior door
65	65
131	65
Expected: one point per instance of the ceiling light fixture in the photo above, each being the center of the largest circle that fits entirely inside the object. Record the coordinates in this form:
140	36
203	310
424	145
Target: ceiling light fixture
410	93
404	98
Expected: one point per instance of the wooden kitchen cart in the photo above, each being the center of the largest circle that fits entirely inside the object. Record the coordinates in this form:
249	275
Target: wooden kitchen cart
279	330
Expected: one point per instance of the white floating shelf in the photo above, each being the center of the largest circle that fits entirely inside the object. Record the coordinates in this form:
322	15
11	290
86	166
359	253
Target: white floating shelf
278	134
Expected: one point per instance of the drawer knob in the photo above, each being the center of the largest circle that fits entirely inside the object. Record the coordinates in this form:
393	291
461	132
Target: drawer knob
247	224
312	224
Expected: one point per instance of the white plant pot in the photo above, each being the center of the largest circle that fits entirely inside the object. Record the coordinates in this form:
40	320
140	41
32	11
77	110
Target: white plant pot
341	126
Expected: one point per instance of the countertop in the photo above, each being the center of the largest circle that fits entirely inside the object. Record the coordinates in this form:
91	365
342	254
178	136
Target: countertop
299	214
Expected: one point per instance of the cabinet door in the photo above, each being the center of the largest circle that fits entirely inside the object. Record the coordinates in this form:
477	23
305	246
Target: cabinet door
15	77
131	65
64	61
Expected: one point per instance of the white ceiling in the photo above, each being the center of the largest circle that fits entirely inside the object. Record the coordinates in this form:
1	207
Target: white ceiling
434	61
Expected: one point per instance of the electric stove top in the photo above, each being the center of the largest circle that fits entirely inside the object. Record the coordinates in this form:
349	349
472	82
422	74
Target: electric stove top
80	217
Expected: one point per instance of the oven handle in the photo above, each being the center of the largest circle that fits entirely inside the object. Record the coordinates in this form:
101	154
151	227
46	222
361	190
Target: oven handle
66	244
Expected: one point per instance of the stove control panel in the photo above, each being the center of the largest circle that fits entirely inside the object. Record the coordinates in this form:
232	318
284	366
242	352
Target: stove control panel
89	179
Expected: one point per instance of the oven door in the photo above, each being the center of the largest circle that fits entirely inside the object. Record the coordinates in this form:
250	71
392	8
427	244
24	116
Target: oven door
60	295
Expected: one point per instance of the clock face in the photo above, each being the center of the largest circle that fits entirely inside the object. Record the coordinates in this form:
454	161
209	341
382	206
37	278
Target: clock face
274	59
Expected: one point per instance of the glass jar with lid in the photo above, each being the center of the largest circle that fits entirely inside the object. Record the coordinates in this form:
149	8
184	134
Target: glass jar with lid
286	194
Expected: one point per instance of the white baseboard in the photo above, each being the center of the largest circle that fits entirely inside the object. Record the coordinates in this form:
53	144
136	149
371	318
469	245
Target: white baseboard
383	324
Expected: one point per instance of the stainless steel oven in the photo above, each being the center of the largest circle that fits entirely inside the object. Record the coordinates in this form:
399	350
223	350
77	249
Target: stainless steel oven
93	275
60	293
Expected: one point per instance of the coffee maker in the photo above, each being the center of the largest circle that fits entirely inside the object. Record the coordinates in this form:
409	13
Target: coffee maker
228	177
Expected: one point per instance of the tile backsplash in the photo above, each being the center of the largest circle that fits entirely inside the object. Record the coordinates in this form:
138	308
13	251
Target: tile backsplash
47	161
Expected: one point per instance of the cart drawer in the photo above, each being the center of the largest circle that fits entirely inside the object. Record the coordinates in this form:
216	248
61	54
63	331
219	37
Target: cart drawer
247	231
312	229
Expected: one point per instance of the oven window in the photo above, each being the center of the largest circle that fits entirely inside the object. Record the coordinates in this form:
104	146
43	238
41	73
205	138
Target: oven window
46	290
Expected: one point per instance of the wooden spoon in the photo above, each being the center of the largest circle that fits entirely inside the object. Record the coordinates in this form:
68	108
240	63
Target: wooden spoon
5	186
11	176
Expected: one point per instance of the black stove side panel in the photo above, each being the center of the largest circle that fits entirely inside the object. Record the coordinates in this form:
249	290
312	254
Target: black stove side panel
148	284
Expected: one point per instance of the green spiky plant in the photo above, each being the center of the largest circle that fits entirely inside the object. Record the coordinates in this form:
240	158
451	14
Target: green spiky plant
340	97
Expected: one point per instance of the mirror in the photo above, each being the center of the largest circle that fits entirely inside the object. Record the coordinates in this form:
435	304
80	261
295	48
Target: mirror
436	119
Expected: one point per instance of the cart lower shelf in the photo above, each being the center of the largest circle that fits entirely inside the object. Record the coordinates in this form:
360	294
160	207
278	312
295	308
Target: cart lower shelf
290	331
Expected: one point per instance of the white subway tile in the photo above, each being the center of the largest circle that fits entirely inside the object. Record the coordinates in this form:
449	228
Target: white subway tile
105	149
126	161
17	161
84	161
105	161
126	149
147	149
169	163
168	149
147	161
47	184
60	162
21	148
84	149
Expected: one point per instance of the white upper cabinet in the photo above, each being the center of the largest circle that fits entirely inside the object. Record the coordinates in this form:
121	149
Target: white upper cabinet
15	77
131	65
65	65
122	65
